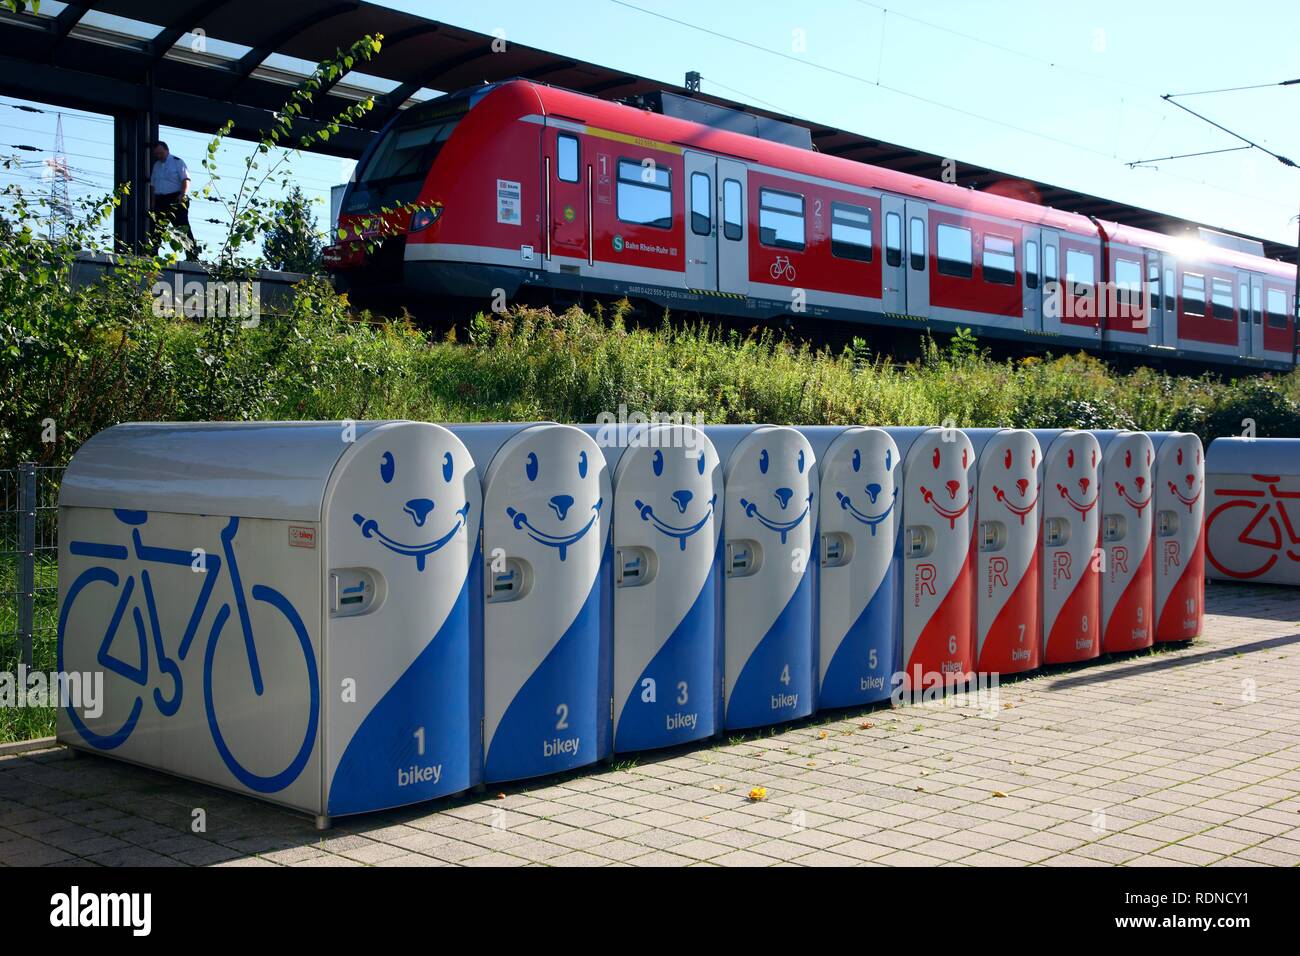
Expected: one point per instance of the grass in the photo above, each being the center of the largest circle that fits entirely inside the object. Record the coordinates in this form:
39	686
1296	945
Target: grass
26	723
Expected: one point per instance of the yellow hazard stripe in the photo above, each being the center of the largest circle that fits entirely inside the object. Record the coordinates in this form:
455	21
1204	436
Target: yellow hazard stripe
723	295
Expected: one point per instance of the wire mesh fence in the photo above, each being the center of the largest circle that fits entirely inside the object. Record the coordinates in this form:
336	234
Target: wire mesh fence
29	555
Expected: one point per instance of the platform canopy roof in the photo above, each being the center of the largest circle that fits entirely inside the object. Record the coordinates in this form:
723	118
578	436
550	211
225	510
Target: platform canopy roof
122	56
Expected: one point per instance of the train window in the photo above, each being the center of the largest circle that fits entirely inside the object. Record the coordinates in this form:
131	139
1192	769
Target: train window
850	232
1256	304
780	219
1031	264
1221	301
1276	309
567	151
1050	262
1079	271
645	196
701	204
916	244
1128	286
1193	294
732	220
405	153
999	260
1153	285
1243	303
1169	291
953	247
893	239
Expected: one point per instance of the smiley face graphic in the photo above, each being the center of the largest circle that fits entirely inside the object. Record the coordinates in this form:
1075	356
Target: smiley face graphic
1018	479
874	473
782	516
1081	462
575	513
947	492
691	471
410	485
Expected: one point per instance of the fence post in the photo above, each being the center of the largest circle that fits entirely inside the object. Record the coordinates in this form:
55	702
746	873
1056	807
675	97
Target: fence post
26	558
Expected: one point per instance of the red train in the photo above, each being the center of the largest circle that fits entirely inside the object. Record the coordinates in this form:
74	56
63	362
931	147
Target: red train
534	188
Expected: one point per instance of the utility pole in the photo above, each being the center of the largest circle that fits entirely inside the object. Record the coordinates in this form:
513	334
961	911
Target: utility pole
60	175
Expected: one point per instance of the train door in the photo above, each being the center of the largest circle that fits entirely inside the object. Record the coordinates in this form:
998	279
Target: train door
732	246
1033	290
1257	316
1243	313
894	270
1169	305
1053	298
701	210
1153	302
570	198
918	258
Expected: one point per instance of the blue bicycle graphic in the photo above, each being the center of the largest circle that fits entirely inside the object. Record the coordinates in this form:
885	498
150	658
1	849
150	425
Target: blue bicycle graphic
151	635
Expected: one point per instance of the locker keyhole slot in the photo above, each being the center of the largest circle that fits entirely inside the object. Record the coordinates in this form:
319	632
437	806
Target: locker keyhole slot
510	583
918	541
354	591
837	549
1056	532
634	567
744	558
993	535
1167	522
1113	527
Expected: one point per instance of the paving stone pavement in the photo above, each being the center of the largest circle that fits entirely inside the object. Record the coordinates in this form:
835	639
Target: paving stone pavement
1183	757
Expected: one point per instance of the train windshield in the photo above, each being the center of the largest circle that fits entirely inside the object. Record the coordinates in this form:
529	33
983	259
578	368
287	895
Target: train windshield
402	159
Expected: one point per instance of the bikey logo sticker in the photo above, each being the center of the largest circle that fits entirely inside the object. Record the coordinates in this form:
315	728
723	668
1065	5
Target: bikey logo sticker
75	909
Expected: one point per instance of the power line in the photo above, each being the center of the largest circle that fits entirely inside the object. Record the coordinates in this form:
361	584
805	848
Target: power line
863	80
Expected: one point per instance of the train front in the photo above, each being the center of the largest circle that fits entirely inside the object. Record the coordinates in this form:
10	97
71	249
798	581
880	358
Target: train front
417	218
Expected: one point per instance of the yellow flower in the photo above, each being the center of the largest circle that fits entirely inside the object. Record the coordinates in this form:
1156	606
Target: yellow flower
758	793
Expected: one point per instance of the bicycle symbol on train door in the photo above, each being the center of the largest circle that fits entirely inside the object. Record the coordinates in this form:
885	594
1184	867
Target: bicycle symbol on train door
1250	513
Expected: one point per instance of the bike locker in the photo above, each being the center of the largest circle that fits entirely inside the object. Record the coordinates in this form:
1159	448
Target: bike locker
548	612
1008	552
1127	498
667	527
1252	510
1070	607
858	593
769	597
938	495
284	609
1179	545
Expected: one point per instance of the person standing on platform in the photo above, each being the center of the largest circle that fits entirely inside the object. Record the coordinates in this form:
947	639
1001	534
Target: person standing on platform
169	184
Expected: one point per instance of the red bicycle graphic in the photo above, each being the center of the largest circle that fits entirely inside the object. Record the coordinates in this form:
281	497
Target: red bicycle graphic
1260	530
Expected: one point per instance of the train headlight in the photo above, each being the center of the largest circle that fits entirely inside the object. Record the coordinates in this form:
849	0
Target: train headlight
424	218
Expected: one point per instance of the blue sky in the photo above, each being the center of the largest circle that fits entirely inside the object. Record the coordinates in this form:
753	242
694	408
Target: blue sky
1063	95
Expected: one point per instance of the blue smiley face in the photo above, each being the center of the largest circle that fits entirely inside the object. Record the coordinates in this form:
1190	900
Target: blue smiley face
784	497
417	509
680	497
560	504
872	490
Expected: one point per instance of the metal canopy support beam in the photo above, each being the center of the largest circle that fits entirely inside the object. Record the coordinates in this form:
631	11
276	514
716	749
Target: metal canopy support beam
133	131
63	24
165	40
386	107
254	58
